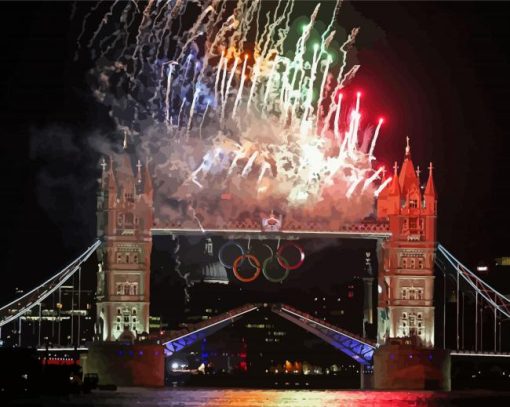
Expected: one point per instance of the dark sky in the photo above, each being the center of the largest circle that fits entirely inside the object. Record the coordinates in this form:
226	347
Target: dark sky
438	72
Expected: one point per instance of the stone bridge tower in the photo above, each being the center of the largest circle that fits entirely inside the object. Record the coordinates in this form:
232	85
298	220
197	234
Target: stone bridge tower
124	220
406	270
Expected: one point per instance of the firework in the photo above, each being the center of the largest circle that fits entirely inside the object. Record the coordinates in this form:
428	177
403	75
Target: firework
228	101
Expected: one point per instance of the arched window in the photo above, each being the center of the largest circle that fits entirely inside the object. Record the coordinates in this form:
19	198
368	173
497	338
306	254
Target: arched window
134	311
127	258
129	220
412	294
135	258
126	289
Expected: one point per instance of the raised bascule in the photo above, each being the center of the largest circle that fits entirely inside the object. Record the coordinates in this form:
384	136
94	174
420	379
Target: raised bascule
405	231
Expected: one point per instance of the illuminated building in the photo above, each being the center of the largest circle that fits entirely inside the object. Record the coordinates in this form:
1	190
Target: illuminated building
406	272
124	214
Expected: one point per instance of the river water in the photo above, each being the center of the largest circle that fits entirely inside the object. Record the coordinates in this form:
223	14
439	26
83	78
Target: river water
130	397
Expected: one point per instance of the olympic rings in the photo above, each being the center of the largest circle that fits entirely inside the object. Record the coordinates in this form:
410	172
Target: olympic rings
272	279
253	261
265	245
222	250
279	256
240	259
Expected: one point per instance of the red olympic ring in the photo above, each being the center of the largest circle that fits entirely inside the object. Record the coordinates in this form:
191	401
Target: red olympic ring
240	259
279	256
285	273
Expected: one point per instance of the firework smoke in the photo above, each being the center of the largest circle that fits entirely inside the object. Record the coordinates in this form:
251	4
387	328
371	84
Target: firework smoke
235	115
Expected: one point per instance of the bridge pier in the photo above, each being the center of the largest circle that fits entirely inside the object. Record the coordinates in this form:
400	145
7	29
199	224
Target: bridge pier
404	366
126	364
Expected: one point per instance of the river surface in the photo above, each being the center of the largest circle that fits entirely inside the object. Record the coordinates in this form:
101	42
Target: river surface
130	397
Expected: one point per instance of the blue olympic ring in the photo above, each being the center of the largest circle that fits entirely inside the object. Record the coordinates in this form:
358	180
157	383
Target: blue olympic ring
222	250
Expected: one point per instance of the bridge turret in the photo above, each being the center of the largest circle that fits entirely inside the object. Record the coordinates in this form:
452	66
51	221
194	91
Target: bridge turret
406	281
389	200
124	224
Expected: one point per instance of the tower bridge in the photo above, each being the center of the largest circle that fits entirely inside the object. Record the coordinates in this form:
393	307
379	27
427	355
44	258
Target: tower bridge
407	255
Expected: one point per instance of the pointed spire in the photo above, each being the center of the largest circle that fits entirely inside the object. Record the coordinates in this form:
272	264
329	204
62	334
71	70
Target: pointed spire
138	172
147	180
430	189
408	178
395	185
103	165
110	174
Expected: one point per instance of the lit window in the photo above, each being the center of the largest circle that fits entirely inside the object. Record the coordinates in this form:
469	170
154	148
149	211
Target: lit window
413	204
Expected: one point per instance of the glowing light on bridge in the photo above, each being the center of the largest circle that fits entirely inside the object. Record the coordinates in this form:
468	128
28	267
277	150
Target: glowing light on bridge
216	114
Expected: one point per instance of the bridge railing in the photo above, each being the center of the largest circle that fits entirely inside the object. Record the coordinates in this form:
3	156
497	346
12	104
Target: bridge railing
493	297
26	302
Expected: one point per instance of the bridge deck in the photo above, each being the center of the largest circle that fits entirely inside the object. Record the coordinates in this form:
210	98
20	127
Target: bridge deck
283	234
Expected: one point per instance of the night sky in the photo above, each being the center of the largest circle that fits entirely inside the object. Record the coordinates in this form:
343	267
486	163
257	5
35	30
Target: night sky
438	73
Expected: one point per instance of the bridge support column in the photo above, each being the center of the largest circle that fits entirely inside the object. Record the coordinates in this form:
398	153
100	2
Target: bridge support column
402	366
366	379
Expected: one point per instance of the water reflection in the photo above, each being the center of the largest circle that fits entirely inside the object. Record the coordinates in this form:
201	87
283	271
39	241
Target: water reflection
294	398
